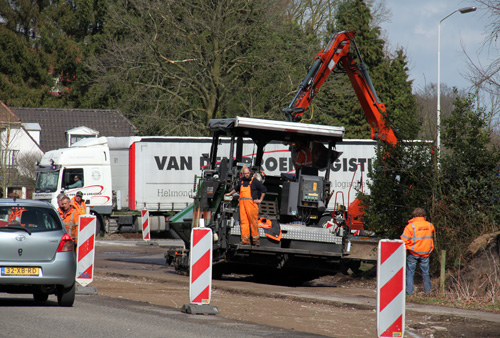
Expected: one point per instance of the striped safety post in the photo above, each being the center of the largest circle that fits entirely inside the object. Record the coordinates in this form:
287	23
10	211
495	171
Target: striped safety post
200	273
85	252
200	287
145	225
391	278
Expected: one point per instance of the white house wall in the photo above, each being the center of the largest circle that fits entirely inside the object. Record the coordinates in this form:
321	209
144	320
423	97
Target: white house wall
17	139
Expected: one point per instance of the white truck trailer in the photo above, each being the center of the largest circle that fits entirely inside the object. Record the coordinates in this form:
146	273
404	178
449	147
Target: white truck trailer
122	175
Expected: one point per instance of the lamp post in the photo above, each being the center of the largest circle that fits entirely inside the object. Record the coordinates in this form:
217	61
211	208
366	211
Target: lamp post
462	11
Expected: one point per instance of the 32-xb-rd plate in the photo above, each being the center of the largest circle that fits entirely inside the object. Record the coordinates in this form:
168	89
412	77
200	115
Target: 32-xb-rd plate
19	271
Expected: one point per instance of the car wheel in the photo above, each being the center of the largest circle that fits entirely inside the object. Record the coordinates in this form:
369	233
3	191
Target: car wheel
66	296
40	297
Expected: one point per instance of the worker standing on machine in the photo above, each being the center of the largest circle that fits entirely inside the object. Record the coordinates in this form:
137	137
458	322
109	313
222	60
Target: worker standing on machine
252	193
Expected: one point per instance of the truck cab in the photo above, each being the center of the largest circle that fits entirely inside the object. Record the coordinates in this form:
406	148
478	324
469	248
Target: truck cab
69	170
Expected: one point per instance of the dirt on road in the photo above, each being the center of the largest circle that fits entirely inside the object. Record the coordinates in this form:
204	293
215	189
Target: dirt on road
333	306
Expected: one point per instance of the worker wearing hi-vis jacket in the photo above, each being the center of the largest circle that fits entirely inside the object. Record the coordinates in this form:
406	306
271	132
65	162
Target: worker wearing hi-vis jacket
252	192
78	202
69	215
418	237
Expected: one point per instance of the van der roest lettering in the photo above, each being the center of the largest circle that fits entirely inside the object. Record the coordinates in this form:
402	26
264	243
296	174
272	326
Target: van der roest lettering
282	164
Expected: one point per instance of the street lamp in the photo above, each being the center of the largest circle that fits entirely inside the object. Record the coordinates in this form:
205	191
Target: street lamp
462	11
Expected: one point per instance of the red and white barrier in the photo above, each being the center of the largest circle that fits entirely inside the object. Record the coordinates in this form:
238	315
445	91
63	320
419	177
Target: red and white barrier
85	252
145	225
200	287
391	278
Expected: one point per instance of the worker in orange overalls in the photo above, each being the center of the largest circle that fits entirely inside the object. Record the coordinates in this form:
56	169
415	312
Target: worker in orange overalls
69	215
78	202
418	237
252	193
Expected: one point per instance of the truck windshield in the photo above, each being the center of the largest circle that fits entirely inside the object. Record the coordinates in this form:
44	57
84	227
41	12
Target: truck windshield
46	181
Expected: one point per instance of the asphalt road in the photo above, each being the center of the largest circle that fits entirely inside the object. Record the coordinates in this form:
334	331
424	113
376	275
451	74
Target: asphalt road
140	296
96	316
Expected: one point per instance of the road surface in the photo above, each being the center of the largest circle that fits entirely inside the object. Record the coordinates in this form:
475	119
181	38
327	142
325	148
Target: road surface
137	294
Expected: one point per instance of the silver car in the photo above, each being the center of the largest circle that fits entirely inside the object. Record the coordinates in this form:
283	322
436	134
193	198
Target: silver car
37	255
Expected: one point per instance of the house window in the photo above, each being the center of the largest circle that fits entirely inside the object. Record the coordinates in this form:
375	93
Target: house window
76	138
8	158
79	133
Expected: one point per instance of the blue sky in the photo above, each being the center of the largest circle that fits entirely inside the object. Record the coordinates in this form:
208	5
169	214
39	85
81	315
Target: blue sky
413	25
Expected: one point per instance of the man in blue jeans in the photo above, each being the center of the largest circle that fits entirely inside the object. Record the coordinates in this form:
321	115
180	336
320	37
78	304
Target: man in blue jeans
418	237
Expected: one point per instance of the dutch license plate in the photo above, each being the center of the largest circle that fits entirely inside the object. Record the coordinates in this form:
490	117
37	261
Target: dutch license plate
20	271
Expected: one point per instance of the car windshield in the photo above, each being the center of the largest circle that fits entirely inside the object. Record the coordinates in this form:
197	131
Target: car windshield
46	181
33	219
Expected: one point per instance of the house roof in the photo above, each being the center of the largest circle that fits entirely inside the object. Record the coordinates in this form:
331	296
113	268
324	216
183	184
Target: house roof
55	122
6	114
9	119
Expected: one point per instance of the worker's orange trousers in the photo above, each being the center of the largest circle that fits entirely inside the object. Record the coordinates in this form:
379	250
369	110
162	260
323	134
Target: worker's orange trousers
249	212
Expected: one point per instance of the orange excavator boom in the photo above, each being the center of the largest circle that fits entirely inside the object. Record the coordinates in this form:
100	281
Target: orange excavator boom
338	51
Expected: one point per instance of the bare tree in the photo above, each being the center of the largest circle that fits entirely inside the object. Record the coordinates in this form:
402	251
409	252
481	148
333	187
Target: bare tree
8	153
26	164
183	62
426	100
487	76
314	15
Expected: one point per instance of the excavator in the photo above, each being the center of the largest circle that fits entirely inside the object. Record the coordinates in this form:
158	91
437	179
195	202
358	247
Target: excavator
301	238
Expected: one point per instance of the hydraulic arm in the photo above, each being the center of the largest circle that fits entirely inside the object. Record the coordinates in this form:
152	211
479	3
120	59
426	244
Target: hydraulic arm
338	51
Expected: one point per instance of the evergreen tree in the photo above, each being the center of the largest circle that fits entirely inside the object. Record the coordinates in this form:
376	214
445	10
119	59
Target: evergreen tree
24	76
467	200
51	38
402	178
395	90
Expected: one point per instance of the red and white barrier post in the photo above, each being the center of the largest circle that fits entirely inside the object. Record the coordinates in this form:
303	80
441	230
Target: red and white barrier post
391	297
85	253
200	273
145	225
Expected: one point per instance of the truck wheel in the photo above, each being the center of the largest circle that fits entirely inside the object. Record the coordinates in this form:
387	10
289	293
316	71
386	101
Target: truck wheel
323	220
99	224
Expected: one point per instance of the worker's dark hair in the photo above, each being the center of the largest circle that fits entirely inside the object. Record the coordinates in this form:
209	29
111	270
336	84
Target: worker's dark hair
418	212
